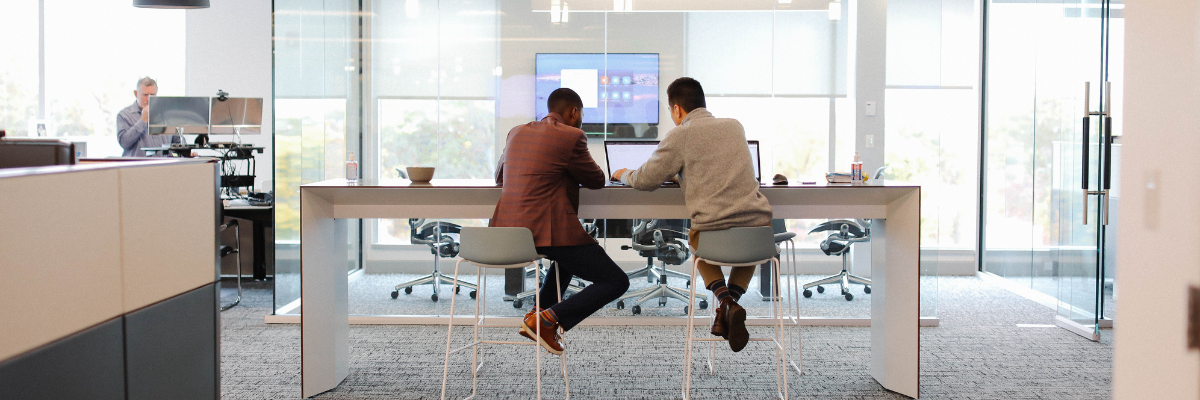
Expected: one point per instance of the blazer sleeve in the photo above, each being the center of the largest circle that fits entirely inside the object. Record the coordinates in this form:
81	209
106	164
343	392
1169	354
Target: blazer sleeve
582	168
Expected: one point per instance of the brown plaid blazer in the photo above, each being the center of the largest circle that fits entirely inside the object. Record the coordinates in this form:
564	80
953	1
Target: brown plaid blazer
543	165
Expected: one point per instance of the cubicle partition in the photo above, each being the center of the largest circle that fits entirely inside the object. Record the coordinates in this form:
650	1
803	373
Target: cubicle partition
109	281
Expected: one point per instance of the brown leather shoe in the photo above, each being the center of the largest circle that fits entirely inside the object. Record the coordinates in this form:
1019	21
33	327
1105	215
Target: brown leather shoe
718	328
549	338
735	325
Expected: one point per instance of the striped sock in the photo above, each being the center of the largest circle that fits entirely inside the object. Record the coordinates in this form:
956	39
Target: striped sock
736	291
720	292
548	318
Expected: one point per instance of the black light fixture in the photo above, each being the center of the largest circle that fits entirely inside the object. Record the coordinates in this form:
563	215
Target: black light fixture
170	3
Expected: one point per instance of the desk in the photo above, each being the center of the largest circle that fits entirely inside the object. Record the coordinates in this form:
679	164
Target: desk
325	206
262	216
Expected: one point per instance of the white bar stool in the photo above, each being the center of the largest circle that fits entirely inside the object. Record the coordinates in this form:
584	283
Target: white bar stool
497	248
737	247
785	246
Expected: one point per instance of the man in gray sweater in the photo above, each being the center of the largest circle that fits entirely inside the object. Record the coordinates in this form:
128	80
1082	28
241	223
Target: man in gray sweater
710	158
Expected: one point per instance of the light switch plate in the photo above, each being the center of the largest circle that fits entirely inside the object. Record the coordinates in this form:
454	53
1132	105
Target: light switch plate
870	109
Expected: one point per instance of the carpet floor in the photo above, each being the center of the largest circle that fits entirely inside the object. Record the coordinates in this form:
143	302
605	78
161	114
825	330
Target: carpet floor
978	352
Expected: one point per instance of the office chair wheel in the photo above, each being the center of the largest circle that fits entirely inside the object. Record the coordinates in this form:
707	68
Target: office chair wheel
867	289
457	289
395	294
518	303
636	310
621	304
472	294
820	289
662	302
408	290
685	309
849	297
434	297
807	293
703	304
689	283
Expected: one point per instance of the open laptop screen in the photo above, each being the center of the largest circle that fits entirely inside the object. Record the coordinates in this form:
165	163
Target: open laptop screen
632	154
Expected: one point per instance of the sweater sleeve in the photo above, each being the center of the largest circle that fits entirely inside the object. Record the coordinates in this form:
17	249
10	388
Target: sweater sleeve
666	162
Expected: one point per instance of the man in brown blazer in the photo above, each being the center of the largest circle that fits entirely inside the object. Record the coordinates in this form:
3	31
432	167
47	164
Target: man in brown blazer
543	165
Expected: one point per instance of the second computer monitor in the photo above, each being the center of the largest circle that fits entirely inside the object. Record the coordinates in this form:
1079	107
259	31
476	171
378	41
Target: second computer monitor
237	115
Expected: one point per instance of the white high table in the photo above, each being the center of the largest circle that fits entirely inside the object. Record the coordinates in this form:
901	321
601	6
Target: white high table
325	207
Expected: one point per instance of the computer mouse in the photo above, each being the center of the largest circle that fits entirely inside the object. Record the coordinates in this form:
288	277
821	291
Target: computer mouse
779	179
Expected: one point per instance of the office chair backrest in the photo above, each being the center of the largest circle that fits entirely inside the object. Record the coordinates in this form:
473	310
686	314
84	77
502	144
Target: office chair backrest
498	246
17	153
737	245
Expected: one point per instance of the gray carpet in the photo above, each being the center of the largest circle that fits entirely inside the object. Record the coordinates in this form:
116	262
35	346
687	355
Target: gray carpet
978	352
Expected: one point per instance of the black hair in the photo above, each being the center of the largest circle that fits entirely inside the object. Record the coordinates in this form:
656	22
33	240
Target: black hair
686	93
562	99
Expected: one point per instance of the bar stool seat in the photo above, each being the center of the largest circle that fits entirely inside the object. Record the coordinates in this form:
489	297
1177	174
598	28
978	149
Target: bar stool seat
738	247
496	248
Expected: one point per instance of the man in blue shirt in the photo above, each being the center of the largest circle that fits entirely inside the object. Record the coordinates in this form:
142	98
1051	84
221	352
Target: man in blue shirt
132	131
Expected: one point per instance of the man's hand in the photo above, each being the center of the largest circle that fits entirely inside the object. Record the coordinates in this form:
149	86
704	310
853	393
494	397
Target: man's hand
146	114
620	173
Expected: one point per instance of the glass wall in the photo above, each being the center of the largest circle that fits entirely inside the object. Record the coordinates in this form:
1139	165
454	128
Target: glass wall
45	90
317	114
1039	57
441	84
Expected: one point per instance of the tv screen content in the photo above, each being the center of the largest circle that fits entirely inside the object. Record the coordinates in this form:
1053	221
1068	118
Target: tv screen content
615	88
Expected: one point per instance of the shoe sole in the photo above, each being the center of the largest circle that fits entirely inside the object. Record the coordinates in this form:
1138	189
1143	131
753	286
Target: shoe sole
529	333
738	336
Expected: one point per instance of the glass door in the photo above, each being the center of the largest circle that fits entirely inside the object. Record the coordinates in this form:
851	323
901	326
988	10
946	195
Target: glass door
1048	145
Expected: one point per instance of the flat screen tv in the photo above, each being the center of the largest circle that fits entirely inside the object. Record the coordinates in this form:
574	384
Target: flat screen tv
616	88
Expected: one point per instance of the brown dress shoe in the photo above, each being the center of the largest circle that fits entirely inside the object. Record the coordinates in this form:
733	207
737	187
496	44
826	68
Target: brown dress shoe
735	325
718	328
549	338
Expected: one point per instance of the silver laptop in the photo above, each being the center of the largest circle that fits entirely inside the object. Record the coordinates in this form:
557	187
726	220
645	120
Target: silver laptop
631	154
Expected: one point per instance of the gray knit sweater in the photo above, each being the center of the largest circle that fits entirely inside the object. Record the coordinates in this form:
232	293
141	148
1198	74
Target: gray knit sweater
715	172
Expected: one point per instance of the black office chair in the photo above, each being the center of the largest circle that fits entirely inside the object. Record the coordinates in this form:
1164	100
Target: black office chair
665	240
843	233
438	236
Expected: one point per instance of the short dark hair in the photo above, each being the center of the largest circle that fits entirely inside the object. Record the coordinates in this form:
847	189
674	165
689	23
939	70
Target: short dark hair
562	99
686	93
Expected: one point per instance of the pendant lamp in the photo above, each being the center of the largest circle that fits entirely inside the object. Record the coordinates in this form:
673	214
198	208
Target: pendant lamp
170	3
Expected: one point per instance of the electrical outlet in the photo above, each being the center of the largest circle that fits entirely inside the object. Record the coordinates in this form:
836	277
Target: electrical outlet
870	141
870	108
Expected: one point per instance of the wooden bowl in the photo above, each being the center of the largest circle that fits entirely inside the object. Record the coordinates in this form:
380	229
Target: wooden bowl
420	174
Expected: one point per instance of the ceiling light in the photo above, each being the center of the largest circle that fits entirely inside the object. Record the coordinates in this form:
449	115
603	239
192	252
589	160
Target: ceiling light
170	3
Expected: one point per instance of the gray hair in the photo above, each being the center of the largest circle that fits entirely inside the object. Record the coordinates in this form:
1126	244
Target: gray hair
146	82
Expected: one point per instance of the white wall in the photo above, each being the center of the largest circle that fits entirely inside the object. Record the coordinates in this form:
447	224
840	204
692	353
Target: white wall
1160	188
229	48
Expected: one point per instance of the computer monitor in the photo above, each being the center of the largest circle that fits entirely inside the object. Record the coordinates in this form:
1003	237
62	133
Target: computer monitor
615	88
174	115
236	115
631	154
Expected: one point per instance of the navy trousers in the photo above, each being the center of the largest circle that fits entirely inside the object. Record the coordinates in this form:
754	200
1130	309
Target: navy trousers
588	262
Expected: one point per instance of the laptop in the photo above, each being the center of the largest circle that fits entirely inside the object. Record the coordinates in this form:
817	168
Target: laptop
631	154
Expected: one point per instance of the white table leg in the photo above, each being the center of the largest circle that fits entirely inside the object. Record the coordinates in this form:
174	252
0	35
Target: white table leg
324	325
896	295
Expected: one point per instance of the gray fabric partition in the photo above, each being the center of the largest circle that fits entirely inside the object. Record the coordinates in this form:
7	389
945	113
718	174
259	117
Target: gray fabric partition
86	365
169	350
